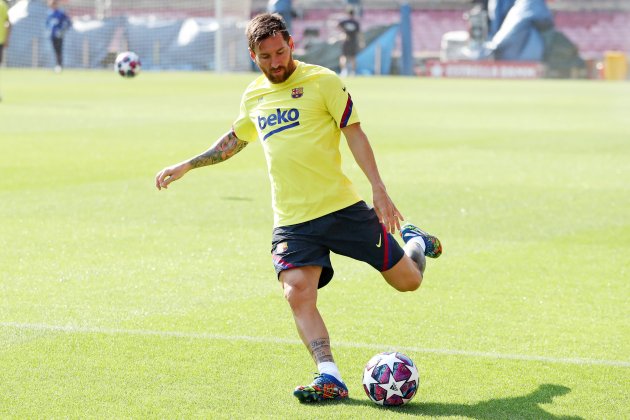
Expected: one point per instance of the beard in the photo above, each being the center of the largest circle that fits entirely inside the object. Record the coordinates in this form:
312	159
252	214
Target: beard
281	73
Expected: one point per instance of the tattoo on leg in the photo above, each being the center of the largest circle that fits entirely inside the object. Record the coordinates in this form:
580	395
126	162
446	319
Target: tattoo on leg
320	350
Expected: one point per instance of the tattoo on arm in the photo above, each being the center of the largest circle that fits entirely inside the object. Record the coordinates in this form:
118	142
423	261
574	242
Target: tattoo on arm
320	350
226	147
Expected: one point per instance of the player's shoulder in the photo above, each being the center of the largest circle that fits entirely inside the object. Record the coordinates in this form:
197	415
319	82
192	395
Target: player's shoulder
317	73
255	87
314	69
322	79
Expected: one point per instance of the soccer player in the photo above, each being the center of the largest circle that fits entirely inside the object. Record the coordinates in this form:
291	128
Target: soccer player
57	24
298	111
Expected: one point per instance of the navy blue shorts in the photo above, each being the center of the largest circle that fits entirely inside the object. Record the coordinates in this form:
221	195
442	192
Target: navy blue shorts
354	232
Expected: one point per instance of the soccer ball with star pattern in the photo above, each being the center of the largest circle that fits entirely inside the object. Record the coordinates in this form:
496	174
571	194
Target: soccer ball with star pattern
390	378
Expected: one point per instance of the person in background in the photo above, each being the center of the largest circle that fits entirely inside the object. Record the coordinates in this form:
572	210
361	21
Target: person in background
350	48
57	24
5	29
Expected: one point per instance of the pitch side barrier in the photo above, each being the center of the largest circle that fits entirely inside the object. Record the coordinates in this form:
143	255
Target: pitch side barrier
484	69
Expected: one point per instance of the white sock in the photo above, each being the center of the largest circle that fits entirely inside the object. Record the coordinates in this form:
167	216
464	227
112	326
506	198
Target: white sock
330	368
420	241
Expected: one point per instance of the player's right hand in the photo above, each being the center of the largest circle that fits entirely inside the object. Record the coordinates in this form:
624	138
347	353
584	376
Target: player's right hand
170	174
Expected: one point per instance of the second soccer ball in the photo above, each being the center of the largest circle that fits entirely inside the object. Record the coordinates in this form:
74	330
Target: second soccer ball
127	64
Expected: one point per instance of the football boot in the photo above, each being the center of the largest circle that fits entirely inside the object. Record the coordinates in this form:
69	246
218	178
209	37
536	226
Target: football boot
324	387
433	247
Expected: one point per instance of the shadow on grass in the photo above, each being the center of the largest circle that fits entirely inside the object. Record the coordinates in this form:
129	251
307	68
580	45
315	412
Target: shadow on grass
235	198
525	407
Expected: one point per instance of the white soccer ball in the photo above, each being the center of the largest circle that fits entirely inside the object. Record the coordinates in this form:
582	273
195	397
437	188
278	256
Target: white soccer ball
390	378
127	64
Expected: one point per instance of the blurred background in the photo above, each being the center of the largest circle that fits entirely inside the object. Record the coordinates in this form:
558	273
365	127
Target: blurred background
427	38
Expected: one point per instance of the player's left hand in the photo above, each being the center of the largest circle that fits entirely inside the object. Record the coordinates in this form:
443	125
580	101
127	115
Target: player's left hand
386	210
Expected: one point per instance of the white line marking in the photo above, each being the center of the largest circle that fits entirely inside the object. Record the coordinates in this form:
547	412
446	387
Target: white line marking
71	329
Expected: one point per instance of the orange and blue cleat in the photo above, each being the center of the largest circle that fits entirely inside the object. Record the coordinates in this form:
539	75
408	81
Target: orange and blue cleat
324	387
433	247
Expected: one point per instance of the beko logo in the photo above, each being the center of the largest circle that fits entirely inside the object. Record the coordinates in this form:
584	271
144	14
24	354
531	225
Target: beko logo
284	119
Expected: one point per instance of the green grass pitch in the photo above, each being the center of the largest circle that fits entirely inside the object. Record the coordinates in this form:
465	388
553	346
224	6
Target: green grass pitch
119	301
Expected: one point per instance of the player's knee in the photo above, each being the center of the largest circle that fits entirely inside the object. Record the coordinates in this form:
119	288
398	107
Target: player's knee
418	283
297	295
405	276
290	293
411	284
300	287
408	283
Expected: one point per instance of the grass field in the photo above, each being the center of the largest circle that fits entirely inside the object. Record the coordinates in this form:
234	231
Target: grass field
119	301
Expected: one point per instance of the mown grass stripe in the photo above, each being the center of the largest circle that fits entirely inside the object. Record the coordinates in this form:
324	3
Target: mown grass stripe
277	340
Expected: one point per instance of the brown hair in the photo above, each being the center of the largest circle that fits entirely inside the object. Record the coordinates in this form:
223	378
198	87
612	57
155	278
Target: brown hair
264	26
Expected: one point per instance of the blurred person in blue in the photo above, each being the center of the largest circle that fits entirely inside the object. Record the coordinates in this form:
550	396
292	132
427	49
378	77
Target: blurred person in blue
351	44
282	7
57	24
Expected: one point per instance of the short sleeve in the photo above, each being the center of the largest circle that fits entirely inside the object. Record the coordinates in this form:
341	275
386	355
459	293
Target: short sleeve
338	101
243	126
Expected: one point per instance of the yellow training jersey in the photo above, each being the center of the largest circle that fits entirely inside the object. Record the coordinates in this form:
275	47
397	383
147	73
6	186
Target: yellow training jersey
4	17
299	124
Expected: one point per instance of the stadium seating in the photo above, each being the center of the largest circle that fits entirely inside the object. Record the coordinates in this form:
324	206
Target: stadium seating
595	26
594	32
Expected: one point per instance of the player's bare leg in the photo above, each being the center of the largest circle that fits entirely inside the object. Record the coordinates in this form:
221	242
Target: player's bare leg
300	290
407	274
